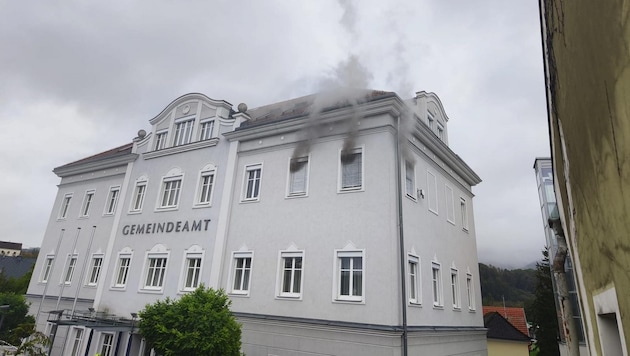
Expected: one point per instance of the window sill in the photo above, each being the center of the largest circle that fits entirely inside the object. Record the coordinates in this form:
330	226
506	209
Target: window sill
201	206
438	307
472	310
415	304
108	215
118	288
252	200
151	291
465	229
350	190
167	208
434	212
134	212
84	217
289	297
457	309
244	294
348	301
450	222
296	196
412	198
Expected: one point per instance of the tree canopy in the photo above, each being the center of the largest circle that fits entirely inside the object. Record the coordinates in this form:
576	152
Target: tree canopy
199	323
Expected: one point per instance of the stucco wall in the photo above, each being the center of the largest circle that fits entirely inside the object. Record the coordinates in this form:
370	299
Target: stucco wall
589	82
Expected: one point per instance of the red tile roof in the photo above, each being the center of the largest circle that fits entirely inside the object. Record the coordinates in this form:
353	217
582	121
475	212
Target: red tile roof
516	316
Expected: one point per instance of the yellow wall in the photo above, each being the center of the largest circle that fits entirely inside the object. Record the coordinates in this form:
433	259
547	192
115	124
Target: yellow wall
507	348
589	89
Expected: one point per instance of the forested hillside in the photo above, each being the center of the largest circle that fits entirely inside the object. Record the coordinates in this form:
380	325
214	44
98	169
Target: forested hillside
515	286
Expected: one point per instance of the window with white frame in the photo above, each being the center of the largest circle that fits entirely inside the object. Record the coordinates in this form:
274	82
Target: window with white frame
436	276
112	200
298	176
183	132
205	189
171	187
95	270
77	339
206	129
156	270
242	263
47	268
464	212
291	273
415	290
351	169
122	270
432	192
410	180
107	344
72	262
160	140
138	196
470	291
450	205
87	203
350	269
431	121
455	289
440	131
253	176
192	271
65	205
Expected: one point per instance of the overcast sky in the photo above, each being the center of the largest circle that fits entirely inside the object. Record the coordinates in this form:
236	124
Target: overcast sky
77	78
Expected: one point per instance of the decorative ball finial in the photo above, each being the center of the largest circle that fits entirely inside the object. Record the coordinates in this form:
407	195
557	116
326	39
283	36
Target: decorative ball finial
242	107
141	133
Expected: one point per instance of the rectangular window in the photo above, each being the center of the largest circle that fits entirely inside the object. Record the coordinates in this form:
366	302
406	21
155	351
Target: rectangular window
206	130
65	205
183	132
410	180
107	344
170	193
160	140
470	291
95	270
72	262
350	275
455	288
450	205
156	269
76	342
464	212
431	121
242	271
112	200
138	196
440	132
291	285
87	202
432	192
206	183
47	268
253	175
351	169
436	276
122	271
298	176
193	272
414	280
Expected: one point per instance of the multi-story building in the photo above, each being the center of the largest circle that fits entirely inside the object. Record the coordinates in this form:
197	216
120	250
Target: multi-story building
338	224
587	72
547	197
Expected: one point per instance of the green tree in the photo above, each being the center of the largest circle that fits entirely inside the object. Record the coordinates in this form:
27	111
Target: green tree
16	324
35	345
543	310
199	323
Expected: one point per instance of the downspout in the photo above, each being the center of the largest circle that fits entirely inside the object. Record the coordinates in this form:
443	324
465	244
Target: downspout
401	240
566	310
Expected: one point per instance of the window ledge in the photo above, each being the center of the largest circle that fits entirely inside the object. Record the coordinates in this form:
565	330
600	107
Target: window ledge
410	197
200	206
296	196
434	212
349	301
118	289
438	307
415	304
239	294
245	201
151	291
451	222
179	149
170	208
350	190
289	297
465	229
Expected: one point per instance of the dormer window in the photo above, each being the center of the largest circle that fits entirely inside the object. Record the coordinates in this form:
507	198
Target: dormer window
206	130
183	131
440	131
431	121
160	140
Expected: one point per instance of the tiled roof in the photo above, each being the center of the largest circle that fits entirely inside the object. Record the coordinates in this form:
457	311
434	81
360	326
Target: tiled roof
499	328
16	266
114	152
306	105
11	245
516	316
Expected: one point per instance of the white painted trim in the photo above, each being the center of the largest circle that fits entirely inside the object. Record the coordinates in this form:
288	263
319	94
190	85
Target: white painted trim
361	149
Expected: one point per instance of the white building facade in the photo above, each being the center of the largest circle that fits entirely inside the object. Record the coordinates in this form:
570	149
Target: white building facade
338	226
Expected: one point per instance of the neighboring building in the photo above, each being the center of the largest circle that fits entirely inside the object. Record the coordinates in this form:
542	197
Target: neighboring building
514	315
587	67
504	338
338	225
544	178
10	248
